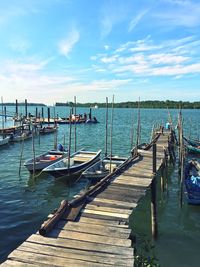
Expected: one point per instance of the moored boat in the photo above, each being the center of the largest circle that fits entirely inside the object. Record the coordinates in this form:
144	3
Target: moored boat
44	160
192	182
194	143
18	137
193	149
4	141
74	165
103	167
48	130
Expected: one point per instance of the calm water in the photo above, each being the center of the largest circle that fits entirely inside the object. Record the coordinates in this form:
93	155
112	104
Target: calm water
25	202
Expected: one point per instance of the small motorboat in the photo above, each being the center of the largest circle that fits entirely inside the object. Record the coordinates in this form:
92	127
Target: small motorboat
103	167
74	165
44	160
48	130
18	137
193	149
192	181
4	141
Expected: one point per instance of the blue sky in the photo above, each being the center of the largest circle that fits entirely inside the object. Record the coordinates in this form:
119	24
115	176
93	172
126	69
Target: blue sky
53	50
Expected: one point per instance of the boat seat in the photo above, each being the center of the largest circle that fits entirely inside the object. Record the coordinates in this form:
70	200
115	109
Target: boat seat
80	158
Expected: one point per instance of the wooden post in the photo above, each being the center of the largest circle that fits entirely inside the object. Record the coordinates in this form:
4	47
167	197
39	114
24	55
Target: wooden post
75	124
33	148
26	110
42	113
132	130
106	141
36	113
70	135
16	108
181	162
111	131
166	170
5	114
154	223
48	111
162	179
56	132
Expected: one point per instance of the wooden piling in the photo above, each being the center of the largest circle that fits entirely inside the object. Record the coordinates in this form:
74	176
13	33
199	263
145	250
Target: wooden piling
5	114
16	107
75	137
106	134
26	110
154	223
48	112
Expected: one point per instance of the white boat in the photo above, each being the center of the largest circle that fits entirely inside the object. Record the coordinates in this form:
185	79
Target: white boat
44	160
4	141
18	137
48	129
103	167
78	162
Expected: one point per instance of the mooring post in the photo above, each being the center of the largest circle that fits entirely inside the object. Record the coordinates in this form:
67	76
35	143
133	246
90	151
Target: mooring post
5	114
48	111
26	110
162	179
166	170
42	114
154	223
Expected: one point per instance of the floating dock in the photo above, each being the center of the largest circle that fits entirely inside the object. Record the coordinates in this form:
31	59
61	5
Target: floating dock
96	232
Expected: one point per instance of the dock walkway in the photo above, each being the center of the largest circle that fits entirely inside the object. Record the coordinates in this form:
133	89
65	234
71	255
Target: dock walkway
100	236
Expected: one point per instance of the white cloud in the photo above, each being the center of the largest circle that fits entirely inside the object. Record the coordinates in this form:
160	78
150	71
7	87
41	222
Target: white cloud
66	45
106	47
167	59
178	13
19	45
145	58
136	20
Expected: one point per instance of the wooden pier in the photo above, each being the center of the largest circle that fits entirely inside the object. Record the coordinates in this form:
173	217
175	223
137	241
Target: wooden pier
96	231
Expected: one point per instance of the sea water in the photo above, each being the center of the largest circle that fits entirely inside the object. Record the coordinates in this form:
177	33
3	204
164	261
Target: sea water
25	202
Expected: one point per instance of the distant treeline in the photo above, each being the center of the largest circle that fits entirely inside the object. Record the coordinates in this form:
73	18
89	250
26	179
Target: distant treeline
143	104
23	104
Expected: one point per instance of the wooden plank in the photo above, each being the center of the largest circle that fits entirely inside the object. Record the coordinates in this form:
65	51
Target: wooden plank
132	192
104	222
94	229
74	212
99	216
137	175
108	209
93	238
102	213
10	263
51	260
126	189
134	181
85	225
119	197
76	254
123	204
80	245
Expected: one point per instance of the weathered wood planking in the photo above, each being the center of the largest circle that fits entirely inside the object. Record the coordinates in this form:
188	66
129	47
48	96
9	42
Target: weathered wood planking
100	236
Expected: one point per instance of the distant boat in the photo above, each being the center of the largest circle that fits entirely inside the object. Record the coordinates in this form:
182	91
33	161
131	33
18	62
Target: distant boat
78	162
192	182
103	167
193	149
44	160
194	143
18	137
4	141
48	130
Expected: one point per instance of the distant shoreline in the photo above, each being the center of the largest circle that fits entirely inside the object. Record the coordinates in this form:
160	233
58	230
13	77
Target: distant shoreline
151	104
